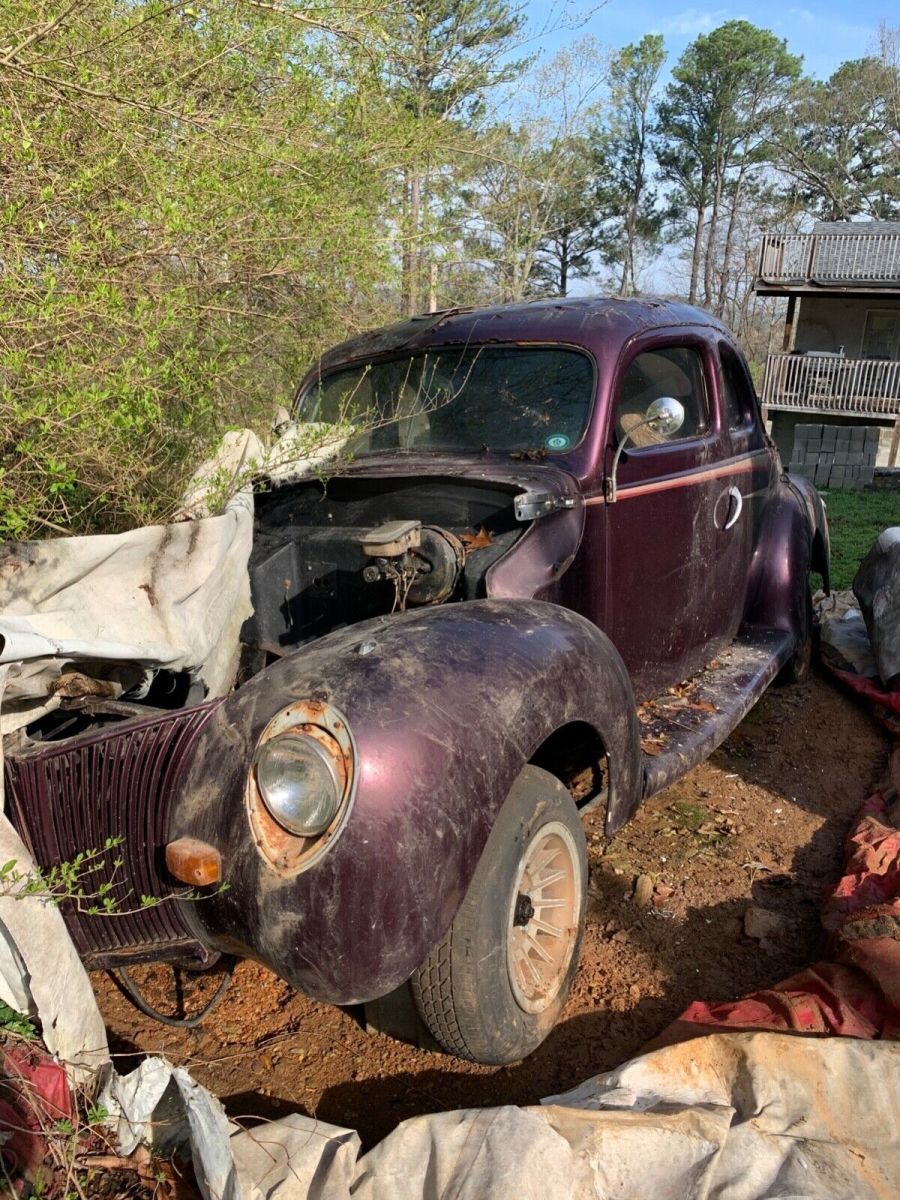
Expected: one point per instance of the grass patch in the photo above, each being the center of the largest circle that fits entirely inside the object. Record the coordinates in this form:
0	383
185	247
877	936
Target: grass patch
855	519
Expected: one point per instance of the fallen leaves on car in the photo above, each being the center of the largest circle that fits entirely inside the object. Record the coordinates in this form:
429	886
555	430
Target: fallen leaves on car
652	746
477	540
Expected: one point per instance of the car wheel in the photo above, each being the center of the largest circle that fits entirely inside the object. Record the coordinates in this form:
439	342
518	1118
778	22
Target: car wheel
799	666
493	987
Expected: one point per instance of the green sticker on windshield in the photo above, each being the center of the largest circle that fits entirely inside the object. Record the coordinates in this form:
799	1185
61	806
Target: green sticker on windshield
557	441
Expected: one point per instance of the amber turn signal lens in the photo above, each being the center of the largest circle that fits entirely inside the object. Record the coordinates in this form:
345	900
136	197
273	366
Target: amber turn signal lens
194	862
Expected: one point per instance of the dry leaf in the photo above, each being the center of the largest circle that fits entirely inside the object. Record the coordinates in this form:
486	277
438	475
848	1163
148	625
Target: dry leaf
476	541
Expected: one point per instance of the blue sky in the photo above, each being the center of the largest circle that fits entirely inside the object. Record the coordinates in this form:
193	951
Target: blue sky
826	32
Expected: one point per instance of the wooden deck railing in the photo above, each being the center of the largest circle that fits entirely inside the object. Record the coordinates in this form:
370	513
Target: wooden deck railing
810	383
831	258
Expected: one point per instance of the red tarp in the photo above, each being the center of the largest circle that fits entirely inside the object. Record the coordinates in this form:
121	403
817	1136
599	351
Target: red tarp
857	993
34	1096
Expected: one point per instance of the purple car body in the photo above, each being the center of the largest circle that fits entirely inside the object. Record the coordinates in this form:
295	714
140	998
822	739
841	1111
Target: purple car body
553	604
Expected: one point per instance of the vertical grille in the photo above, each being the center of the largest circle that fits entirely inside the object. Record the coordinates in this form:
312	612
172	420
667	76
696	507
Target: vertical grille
71	796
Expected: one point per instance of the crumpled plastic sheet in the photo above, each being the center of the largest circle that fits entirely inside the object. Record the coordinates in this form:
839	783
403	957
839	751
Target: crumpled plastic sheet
40	971
119	607
729	1116
841	626
877	588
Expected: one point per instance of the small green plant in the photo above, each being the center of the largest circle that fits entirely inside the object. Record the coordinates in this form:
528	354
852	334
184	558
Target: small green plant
72	881
16	1023
96	1114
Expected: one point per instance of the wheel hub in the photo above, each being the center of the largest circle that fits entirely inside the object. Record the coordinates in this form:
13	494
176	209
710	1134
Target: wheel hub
524	911
544	917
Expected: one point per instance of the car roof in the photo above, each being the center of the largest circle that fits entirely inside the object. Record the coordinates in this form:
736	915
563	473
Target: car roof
593	322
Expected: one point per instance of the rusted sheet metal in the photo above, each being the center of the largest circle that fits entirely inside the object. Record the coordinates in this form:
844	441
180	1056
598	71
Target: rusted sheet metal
445	707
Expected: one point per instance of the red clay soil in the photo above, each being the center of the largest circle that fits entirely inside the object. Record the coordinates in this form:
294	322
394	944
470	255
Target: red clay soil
760	826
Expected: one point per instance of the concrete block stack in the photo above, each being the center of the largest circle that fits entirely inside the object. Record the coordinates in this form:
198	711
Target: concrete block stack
835	456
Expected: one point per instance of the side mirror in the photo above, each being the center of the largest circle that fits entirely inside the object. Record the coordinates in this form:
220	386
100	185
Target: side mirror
665	415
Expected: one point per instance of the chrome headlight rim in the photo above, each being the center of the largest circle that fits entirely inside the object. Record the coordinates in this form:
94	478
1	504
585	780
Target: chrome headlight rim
285	852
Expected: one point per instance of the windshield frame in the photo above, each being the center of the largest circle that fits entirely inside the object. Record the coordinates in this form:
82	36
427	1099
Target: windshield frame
315	377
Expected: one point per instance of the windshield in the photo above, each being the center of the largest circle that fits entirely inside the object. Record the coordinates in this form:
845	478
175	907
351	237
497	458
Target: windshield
481	398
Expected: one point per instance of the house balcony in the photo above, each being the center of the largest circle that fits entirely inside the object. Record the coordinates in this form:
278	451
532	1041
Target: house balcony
867	388
813	262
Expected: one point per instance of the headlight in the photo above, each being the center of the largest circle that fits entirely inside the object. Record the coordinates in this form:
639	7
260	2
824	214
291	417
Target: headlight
299	783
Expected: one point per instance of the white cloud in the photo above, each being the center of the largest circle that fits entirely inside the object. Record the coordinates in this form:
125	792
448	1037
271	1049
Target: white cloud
692	21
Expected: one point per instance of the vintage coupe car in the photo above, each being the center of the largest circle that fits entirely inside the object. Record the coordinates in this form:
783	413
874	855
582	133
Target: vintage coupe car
546	516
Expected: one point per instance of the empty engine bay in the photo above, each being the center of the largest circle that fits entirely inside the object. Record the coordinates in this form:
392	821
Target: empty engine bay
317	564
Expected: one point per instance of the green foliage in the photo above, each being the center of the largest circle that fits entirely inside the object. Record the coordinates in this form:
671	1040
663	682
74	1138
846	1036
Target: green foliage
531	209
192	203
728	89
442	59
444	56
90	881
13	1022
839	141
197	199
855	519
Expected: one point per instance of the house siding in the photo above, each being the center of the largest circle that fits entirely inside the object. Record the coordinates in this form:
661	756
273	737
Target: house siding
830	322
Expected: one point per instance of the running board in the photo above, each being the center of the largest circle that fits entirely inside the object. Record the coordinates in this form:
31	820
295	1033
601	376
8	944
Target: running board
682	727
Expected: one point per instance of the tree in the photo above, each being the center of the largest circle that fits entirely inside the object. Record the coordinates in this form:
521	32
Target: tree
727	91
531	204
444	56
565	249
839	140
626	197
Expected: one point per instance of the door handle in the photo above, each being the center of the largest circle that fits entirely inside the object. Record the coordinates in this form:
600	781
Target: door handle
734	494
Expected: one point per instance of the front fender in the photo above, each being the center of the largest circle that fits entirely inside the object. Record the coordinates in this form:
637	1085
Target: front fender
445	710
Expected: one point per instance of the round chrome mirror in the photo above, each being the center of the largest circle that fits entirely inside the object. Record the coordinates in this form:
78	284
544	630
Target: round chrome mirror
666	415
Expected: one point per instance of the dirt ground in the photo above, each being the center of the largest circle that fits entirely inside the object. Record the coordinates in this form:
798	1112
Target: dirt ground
761	823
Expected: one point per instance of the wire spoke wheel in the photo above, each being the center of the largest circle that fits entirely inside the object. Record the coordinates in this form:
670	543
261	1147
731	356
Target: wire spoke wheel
544	918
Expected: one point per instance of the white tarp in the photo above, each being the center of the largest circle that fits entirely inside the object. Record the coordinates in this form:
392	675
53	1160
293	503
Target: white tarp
730	1116
40	971
107	611
116	607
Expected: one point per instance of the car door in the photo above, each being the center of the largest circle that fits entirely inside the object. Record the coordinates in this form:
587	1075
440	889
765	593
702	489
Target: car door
753	471
671	538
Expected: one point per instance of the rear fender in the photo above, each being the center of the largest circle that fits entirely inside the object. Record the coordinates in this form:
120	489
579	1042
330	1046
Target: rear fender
793	541
445	707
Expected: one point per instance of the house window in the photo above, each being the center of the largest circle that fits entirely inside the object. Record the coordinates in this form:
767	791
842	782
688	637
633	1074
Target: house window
881	335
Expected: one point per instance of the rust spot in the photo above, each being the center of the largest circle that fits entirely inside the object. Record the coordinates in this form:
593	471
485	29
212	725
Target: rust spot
151	593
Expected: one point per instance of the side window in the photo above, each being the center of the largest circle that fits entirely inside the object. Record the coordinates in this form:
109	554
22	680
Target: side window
737	390
675	371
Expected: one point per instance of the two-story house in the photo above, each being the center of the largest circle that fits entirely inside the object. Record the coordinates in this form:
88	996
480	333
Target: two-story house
840	358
